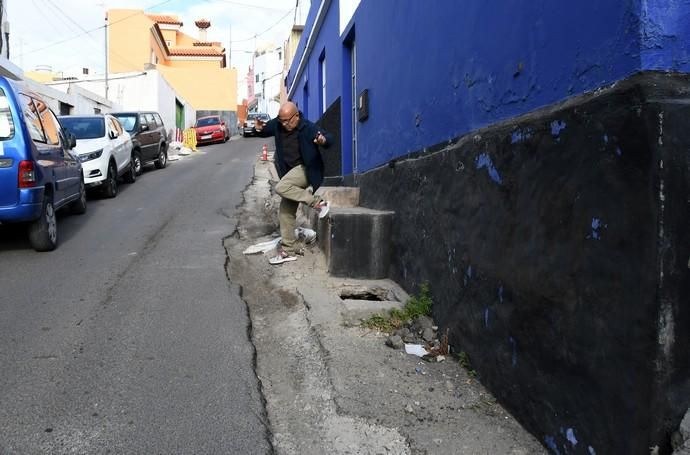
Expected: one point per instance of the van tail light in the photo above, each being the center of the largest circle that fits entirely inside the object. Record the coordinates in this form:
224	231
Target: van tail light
27	174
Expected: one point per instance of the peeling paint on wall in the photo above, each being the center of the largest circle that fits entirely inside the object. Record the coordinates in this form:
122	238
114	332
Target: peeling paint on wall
556	127
570	435
597	225
513	346
484	161
520	136
550	442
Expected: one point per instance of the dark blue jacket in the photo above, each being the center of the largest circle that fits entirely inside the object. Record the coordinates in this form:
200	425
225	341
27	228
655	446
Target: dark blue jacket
311	157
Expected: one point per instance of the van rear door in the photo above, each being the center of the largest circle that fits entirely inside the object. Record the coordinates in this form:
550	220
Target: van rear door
10	155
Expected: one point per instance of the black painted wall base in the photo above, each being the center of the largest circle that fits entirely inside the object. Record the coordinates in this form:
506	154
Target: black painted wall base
557	250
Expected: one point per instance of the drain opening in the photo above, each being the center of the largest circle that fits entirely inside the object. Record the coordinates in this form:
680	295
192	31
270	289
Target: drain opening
370	294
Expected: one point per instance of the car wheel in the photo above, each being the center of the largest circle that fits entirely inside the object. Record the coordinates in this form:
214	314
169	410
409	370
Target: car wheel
43	231
79	206
110	189
162	159
131	175
138	166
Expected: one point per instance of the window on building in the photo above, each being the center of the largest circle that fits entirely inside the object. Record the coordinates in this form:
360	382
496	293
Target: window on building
322	82
257	78
65	109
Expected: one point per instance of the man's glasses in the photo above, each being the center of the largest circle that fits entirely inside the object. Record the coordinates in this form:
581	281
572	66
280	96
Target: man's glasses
285	122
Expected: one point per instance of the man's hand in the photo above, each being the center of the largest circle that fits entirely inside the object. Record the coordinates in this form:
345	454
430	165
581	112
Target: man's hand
320	139
258	124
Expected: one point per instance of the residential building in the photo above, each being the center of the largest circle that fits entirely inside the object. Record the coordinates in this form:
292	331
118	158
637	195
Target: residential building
194	67
267	67
290	48
136	91
536	157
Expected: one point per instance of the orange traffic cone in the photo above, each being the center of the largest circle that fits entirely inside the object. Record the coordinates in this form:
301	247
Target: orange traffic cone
264	153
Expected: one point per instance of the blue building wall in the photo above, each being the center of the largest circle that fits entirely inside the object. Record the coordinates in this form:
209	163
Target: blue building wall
665	35
437	71
512	213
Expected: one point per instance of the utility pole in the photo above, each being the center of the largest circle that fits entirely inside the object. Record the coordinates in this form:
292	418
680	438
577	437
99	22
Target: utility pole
2	21
105	29
229	46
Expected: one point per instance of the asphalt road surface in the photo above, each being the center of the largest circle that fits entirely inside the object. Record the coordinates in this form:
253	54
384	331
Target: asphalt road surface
129	338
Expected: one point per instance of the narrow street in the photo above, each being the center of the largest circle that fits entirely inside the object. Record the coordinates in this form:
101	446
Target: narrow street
128	338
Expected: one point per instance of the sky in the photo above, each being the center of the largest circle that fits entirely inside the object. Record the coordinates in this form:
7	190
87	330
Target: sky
68	35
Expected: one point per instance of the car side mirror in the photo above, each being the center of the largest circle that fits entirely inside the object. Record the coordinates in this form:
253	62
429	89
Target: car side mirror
72	140
144	128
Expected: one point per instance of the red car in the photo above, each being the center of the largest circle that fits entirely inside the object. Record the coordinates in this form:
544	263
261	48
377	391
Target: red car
211	129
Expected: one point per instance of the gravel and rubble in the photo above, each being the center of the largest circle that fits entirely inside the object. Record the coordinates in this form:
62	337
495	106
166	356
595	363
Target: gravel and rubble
334	387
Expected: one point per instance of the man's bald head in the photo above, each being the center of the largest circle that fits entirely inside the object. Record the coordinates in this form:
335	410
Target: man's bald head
287	114
287	109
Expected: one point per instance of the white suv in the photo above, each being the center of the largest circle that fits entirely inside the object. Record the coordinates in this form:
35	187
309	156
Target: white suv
104	149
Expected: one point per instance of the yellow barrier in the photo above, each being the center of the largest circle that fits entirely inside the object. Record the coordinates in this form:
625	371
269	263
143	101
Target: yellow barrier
190	138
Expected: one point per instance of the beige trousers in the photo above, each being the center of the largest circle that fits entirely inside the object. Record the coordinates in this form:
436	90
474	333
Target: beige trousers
293	188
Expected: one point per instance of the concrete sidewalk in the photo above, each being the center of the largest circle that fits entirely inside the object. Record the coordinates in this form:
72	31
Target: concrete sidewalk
333	387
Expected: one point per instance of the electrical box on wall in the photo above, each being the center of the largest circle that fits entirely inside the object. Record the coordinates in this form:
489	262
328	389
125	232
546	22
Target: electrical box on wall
363	105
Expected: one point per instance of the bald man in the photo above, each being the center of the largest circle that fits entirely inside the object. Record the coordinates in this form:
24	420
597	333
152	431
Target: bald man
300	168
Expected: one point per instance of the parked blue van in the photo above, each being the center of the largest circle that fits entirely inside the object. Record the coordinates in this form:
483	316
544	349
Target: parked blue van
39	174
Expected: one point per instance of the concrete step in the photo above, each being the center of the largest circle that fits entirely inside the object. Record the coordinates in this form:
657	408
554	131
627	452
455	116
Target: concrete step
355	241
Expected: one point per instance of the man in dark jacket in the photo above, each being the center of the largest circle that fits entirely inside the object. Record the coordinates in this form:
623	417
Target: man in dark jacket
300	168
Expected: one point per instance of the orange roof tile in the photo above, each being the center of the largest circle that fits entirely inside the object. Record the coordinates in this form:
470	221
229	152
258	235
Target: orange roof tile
164	19
196	51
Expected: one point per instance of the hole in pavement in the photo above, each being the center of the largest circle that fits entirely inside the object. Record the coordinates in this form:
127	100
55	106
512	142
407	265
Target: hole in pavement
366	293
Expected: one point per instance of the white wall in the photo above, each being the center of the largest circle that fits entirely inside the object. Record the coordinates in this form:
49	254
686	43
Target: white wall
269	67
81	100
139	91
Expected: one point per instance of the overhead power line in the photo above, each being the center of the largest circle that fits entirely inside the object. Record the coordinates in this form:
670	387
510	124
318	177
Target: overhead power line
265	31
86	32
244	4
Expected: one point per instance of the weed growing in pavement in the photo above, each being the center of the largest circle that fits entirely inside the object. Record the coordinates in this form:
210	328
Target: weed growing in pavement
464	361
419	305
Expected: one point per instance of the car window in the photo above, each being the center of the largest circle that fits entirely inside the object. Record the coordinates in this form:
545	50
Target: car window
33	123
51	128
6	122
112	125
117	125
158	119
85	127
151	120
128	122
142	121
208	121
